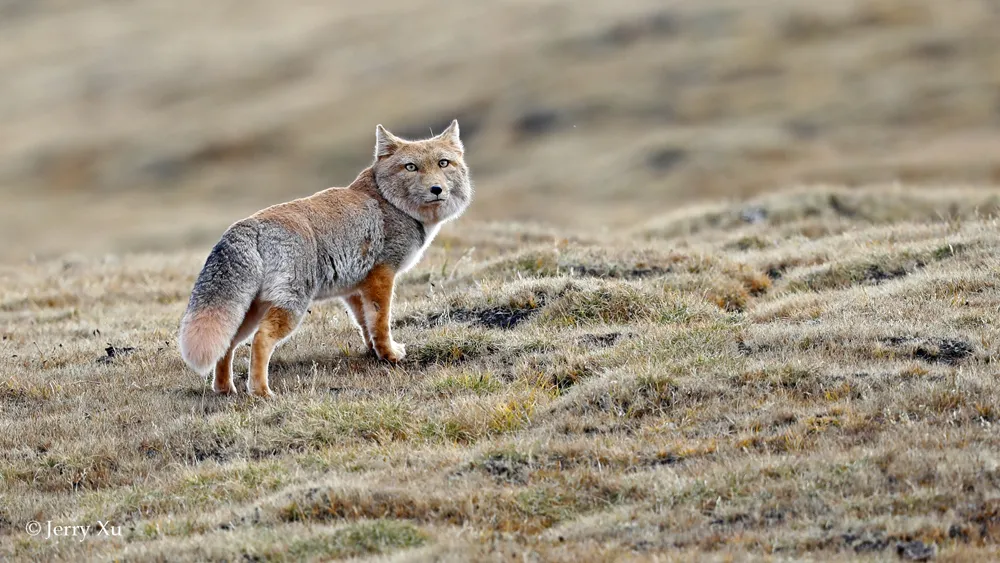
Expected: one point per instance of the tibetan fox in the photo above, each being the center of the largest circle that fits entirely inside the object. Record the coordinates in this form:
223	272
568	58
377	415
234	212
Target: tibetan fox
350	243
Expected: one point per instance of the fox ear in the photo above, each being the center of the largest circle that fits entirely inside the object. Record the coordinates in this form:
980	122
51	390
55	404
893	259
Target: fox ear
385	142
451	135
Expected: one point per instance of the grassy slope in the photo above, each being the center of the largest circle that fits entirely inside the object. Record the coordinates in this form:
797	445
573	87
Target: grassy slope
810	373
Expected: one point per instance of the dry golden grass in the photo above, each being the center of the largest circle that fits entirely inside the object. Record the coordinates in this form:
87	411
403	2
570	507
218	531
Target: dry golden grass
810	374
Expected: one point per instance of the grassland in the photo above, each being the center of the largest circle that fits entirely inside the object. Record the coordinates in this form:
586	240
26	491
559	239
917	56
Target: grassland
643	342
809	374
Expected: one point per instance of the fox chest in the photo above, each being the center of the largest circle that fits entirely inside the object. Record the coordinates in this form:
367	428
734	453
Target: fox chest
413	255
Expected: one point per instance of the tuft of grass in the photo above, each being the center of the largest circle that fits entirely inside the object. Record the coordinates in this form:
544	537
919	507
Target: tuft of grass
749	242
787	376
455	346
571	496
512	414
822	208
477	382
355	540
330	422
622	395
533	263
618	303
874	269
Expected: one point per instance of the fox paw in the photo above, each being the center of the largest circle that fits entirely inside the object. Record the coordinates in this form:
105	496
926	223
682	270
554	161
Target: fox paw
224	389
395	353
263	392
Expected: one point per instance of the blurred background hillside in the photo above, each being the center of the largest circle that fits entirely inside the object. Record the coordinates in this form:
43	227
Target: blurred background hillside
146	125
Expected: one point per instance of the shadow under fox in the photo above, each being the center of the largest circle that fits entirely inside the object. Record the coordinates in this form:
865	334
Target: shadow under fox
349	243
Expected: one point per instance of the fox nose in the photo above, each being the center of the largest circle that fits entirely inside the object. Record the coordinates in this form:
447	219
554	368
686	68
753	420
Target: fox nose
436	190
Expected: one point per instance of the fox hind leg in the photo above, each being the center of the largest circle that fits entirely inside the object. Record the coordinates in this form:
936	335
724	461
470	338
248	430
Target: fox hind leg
223	381
278	323
357	310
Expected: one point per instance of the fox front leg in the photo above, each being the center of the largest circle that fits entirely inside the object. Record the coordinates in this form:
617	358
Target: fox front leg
376	295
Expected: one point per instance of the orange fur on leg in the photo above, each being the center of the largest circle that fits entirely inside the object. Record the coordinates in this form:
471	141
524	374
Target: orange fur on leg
376	295
276	325
223	382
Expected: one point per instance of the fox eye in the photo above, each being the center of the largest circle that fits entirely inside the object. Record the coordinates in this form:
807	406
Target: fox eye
411	167
444	162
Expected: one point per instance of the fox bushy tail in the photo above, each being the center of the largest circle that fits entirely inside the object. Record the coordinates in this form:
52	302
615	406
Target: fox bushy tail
224	291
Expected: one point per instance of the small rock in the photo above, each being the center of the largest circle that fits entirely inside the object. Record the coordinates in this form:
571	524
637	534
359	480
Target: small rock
916	550
114	352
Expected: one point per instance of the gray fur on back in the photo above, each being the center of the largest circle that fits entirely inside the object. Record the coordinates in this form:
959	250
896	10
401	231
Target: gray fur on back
338	249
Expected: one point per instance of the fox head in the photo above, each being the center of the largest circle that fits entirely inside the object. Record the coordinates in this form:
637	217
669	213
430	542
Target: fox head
427	179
